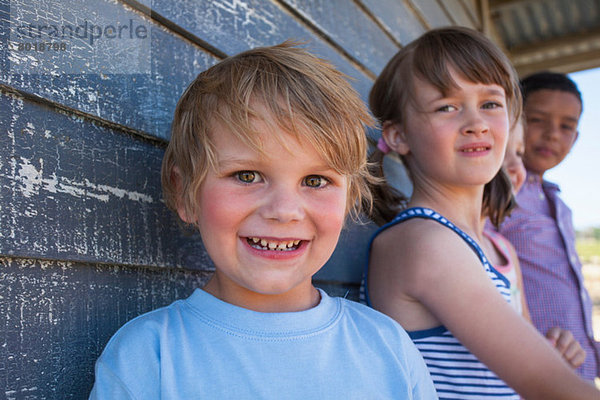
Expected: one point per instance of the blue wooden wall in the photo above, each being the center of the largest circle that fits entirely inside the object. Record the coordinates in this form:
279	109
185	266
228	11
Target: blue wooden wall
86	242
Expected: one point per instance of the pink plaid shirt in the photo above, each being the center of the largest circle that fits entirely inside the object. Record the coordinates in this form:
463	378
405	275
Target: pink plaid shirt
542	232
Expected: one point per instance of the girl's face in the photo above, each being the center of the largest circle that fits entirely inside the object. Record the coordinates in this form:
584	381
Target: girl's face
269	221
455	139
513	159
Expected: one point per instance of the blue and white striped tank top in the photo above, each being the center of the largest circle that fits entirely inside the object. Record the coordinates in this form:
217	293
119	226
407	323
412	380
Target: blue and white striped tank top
456	373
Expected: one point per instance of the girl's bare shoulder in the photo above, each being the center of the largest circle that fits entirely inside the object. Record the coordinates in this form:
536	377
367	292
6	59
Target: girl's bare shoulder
421	250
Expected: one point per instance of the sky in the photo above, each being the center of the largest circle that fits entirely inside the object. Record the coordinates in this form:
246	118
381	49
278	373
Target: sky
579	174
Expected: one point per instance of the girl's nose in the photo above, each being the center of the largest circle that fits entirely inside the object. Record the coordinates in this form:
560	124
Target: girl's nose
283	204
474	123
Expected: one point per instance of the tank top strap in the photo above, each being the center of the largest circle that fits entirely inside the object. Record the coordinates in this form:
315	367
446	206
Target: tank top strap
500	242
427	213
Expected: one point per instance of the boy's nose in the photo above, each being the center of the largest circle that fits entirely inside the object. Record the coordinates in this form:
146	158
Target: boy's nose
283	204
551	130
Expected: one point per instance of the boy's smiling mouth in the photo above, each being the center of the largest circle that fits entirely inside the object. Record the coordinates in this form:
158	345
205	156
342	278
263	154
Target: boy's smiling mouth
269	244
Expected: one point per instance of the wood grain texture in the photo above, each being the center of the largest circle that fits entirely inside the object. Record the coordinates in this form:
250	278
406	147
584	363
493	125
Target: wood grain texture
396	18
432	12
243	24
458	13
58	316
131	82
346	24
72	190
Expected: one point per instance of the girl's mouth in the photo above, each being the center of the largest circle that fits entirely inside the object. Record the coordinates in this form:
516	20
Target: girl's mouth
475	149
277	245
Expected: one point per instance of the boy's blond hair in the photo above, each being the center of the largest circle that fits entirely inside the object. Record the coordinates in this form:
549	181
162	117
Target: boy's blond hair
306	97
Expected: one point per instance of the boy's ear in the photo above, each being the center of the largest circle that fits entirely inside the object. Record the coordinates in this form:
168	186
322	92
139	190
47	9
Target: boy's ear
395	137
180	207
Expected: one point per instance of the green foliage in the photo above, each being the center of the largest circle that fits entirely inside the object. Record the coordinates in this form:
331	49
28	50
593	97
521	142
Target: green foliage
589	248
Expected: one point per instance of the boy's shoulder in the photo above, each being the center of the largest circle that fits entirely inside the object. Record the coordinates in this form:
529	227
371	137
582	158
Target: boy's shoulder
144	331
372	322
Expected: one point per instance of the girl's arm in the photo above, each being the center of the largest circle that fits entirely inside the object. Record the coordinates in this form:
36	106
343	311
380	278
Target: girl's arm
424	275
562	340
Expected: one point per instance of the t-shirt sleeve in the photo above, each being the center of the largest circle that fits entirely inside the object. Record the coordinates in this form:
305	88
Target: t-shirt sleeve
129	366
422	383
108	385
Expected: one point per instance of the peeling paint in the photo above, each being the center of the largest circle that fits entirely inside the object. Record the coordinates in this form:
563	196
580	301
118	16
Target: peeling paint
31	180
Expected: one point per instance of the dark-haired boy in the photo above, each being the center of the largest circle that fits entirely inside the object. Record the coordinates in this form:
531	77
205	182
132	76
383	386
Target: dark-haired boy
541	227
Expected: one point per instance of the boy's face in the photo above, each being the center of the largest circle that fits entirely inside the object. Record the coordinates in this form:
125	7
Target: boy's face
269	222
551	129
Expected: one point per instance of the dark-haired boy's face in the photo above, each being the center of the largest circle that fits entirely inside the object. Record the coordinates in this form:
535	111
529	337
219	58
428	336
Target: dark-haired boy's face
551	129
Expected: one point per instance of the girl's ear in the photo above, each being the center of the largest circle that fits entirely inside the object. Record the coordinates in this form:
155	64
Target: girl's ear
176	180
394	136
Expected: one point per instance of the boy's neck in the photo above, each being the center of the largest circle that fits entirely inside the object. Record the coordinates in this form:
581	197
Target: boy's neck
297	299
531	172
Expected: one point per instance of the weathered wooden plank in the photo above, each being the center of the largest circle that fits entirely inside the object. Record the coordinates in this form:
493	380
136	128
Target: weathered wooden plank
105	59
243	24
400	21
58	316
73	190
432	12
349	27
348	261
458	13
472	9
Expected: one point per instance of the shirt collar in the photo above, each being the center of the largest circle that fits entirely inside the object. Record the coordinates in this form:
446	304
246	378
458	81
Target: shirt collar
534	179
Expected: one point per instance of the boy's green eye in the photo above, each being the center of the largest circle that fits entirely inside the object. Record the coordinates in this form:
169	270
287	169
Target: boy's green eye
314	181
247	176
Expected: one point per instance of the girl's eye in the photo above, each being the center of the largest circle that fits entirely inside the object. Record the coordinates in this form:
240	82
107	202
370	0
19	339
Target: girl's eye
248	176
492	105
315	181
446	108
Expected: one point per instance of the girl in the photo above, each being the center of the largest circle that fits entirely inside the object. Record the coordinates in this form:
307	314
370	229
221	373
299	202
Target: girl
503	256
446	102
500	252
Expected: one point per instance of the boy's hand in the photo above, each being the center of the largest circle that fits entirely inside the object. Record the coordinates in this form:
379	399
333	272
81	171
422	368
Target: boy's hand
569	348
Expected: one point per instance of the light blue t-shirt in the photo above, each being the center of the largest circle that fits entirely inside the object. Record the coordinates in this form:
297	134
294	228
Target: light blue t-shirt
205	348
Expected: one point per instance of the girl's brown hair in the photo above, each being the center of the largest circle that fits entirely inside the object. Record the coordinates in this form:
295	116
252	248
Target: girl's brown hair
431	58
305	95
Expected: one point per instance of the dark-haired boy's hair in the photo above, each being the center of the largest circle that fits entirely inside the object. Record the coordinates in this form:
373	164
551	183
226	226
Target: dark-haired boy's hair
549	81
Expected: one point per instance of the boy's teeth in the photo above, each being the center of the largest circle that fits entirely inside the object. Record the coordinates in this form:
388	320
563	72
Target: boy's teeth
275	245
